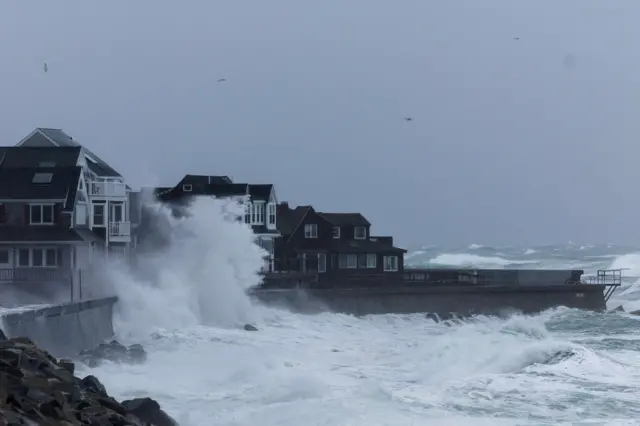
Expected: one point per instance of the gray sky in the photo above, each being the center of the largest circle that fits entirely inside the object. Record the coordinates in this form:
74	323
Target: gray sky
514	141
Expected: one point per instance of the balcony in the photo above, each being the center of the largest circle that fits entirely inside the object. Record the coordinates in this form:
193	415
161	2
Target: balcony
120	231
42	275
107	189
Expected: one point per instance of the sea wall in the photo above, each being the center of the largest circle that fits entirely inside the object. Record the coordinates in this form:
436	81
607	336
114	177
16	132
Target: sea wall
444	301
66	329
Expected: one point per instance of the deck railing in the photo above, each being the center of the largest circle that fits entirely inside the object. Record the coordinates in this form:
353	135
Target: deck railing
35	275
107	188
120	229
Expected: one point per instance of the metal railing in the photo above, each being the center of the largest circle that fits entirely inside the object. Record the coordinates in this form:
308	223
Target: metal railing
610	278
107	188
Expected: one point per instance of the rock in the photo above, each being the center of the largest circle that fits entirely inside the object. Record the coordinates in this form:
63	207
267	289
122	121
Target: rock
36	389
249	327
2	335
136	354
113	351
148	411
635	312
618	309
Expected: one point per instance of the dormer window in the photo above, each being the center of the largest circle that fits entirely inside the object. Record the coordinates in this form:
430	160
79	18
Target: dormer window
42	177
311	230
271	212
360	233
336	232
187	187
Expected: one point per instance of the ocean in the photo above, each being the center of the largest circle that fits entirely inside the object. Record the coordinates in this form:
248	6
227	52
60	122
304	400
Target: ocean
561	367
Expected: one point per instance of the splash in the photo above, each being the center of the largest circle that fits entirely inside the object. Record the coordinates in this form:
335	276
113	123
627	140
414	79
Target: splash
196	273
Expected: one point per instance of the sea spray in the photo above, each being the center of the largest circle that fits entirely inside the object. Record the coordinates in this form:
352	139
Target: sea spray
197	275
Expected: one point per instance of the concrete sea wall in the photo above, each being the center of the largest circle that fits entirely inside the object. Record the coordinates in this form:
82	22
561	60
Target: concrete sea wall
64	330
444	301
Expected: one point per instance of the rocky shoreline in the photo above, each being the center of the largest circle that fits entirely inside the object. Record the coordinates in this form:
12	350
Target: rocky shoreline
38	389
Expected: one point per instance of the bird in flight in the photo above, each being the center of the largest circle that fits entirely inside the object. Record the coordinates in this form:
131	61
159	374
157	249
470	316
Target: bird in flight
220	80
516	38
408	118
46	68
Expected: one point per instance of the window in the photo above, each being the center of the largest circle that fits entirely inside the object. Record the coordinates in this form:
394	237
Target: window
322	262
360	233
372	260
187	188
390	263
42	178
98	215
272	213
4	256
3	213
259	207
117	212
311	230
47	164
247	212
366	261
41	214
336	232
81	214
348	261
38	257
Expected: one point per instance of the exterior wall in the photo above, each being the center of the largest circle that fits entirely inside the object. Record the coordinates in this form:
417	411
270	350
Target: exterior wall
17	214
348	232
64	255
64	330
442	301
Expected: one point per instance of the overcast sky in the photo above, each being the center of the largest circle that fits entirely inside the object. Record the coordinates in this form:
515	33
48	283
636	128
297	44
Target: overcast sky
513	141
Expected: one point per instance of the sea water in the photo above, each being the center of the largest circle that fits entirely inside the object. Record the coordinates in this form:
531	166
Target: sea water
562	367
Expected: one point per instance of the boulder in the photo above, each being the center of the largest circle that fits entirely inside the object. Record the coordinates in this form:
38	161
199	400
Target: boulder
635	312
148	410
113	351
249	327
618	309
37	389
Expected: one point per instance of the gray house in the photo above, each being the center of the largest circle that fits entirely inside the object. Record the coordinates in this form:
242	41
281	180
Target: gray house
61	209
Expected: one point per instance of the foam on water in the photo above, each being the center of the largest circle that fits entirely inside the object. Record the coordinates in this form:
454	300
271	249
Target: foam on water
560	367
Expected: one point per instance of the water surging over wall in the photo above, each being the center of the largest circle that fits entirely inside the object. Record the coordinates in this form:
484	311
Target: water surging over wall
198	277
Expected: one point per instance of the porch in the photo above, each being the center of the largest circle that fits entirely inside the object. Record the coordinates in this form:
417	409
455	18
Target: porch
107	188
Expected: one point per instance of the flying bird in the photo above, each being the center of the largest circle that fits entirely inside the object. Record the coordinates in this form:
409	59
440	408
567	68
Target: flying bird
516	38
220	80
408	118
46	68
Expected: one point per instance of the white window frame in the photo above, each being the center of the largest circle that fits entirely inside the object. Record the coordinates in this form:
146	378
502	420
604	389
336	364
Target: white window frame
247	212
372	260
45	258
355	233
271	214
104	214
42	207
322	263
257	213
311	230
114	207
390	263
336	235
186	187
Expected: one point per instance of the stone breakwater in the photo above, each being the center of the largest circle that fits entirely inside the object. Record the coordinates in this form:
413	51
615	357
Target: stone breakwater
38	389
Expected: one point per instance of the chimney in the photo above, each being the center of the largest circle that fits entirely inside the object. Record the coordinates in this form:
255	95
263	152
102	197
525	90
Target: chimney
285	205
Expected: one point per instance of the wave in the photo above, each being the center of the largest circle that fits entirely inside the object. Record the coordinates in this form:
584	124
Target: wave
474	260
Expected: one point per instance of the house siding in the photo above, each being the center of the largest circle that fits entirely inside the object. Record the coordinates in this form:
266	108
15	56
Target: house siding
17	214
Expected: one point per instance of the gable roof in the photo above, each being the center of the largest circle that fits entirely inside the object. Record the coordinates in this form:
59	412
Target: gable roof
260	192
43	136
287	221
27	156
346	219
17	184
205	180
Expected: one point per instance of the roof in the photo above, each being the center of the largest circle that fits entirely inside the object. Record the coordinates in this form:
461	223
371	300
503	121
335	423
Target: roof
260	192
346	219
17	184
205	180
41	135
263	230
288	221
45	234
27	156
215	190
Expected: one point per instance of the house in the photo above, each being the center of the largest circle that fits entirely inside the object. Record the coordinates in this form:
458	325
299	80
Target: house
259	199
106	208
339	246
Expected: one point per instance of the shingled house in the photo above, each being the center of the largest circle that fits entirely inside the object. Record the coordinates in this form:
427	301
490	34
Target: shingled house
338	246
55	211
259	199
